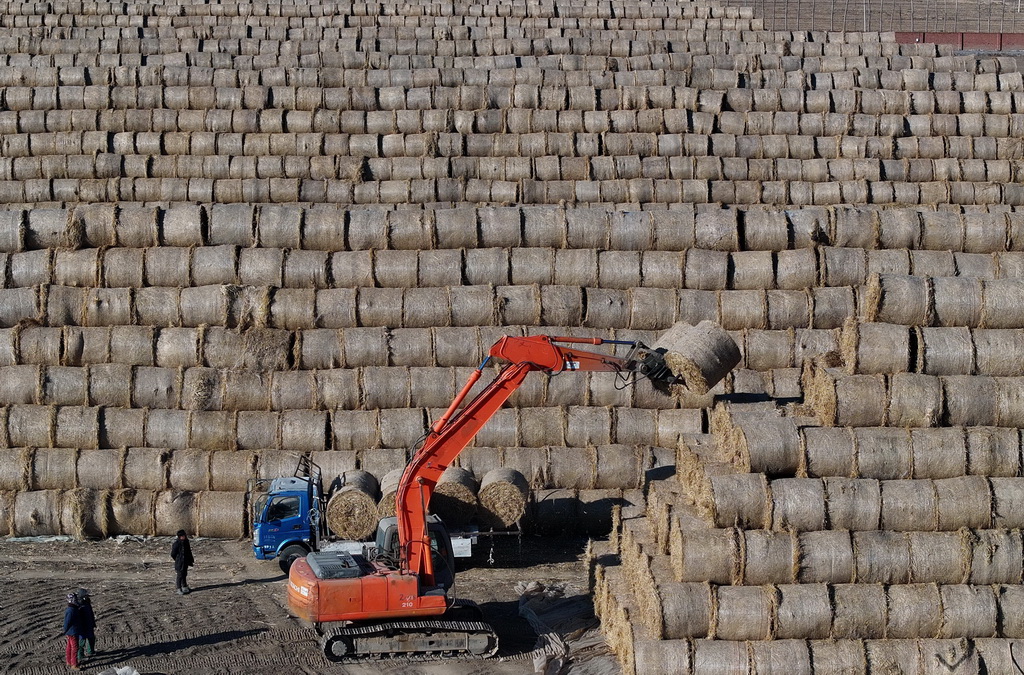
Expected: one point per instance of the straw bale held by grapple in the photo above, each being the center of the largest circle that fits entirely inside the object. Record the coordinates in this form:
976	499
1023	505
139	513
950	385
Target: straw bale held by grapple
700	355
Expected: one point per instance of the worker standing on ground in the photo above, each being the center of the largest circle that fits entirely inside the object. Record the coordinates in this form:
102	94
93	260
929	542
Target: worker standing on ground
72	628
87	636
181	551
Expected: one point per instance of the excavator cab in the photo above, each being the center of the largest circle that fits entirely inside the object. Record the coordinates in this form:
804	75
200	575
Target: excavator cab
440	547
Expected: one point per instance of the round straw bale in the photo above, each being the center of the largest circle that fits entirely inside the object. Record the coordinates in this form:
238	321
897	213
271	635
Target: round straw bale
178	347
686	609
100	469
899	299
388	490
31	426
352	509
454	498
939	557
22	384
830	451
221	514
883	452
333	464
770	445
320	349
37	513
1011	624
15	468
993	451
167	428
881	557
304	430
211	430
702	355
724	656
133	344
385	387
365	346
662	656
157	387
82	345
860	400
997	352
894	655
455	346
233	389
744	612
859	611
111	384
1002	302
853	504
798	504
355	429
205	305
84	513
132	512
739	500
1007	511
995	556
173	511
7	500
190	470
78	427
914	400
781	656
743	309
502	497
711	555
965	501
804	612
619	467
831	307
231	469
145	468
769	557
948	351
1008	395
257	430
939	453
871	348
909	505
17	304
501	430
630	426
796	270
768	349
915	611
34	344
706	270
959	301
840	655
970	401
55	468
968	611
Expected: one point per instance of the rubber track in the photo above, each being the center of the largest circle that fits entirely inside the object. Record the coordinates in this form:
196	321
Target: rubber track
460	626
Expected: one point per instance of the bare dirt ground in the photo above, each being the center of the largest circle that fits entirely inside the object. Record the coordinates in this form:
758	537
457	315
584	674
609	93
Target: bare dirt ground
236	620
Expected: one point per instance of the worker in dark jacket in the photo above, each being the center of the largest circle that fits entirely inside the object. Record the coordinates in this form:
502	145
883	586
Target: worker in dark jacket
181	551
72	628
87	621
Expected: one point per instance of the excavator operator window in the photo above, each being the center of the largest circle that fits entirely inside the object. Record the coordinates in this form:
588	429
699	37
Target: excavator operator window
282	508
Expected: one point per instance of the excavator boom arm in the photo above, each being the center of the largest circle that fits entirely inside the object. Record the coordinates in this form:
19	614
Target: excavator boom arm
456	428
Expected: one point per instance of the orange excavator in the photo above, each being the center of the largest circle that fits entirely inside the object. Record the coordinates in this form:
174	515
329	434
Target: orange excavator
395	601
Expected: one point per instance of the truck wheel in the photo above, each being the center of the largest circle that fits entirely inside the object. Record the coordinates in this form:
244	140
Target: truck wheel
290	554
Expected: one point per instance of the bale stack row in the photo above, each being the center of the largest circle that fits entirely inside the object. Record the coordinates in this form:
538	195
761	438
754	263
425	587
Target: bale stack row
730	228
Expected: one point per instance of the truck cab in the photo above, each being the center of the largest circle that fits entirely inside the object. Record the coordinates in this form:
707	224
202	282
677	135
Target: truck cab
286	518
